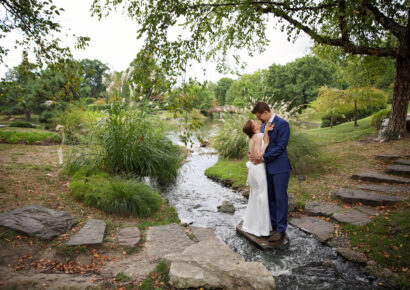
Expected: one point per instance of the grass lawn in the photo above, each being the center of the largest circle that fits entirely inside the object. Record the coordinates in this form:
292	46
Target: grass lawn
16	135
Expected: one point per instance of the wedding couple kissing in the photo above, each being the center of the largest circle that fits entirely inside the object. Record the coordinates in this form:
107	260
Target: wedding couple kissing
268	174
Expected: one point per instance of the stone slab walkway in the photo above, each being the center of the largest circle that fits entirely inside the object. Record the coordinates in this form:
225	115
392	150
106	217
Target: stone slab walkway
384	188
92	233
319	228
402	162
129	237
351	216
365	197
321	208
403	170
378	177
370	211
387	156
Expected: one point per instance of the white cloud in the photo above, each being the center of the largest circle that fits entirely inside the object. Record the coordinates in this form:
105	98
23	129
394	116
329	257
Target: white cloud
113	41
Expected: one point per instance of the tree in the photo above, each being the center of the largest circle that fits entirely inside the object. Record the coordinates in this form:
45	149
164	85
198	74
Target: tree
215	27
222	86
246	87
297	82
93	71
34	20
329	102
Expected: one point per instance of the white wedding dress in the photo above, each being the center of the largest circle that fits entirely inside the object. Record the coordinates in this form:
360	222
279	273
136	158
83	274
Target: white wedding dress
256	220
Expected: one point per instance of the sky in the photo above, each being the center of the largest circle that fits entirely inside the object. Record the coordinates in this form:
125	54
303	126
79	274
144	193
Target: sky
113	41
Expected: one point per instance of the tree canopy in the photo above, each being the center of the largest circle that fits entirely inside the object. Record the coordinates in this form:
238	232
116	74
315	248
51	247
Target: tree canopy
218	29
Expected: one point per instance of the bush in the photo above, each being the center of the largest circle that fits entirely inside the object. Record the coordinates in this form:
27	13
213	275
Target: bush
90	100
46	117
21	124
115	195
377	118
230	141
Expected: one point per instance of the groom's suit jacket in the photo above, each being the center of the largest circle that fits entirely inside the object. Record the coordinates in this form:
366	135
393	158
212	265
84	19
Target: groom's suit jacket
276	155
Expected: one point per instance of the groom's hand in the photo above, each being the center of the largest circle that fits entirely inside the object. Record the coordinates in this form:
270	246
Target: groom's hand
256	161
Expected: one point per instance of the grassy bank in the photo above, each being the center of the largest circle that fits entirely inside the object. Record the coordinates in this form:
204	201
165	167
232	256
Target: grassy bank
13	135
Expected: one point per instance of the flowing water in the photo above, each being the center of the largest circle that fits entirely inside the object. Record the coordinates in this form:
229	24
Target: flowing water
305	264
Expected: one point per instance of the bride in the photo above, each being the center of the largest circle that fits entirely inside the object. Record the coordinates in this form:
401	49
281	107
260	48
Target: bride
256	220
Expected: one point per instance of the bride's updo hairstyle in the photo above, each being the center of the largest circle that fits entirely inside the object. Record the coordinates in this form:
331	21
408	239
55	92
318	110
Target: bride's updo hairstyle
248	128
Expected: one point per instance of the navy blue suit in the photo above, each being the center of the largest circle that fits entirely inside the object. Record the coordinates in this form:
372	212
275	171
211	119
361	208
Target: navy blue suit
277	172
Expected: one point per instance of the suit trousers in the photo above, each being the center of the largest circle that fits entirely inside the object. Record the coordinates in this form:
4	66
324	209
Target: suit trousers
278	200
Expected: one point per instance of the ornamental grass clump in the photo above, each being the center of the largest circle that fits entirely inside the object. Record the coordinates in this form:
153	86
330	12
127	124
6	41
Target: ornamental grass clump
231	142
115	195
131	142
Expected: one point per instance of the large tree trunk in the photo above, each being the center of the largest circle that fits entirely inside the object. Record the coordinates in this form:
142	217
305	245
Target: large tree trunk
397	121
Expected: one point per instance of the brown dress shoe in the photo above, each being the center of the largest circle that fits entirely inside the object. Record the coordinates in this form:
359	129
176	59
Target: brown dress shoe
276	236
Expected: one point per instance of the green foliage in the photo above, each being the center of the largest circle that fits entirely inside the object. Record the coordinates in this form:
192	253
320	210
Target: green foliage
34	137
246	87
303	152
122	277
222	87
230	140
93	73
231	172
46	117
98	107
132	142
377	118
160	276
77	124
115	195
21	124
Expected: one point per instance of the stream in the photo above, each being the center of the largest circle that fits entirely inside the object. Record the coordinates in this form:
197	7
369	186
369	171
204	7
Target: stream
305	264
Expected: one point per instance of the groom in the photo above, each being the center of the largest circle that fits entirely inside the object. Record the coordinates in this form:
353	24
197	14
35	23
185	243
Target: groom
277	167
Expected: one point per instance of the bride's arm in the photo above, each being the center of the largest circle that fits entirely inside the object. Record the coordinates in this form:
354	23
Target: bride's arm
258	151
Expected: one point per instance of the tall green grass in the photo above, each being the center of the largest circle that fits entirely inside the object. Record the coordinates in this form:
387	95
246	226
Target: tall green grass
115	195
231	142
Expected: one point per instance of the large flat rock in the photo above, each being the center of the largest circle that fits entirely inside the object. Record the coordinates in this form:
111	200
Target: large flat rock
378	177
203	234
129	237
321	208
392	189
352	217
398	169
319	228
351	255
365	197
402	162
370	211
92	233
211	264
38	221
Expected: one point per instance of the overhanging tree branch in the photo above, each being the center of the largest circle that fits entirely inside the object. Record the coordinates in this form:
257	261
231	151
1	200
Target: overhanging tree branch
388	23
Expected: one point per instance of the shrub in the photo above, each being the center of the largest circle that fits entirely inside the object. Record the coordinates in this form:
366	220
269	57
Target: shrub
90	100
115	195
98	107
377	118
230	141
46	117
21	124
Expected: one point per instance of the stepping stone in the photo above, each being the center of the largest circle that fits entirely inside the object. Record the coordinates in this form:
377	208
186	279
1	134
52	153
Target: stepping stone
367	210
38	221
403	162
365	197
211	264
351	216
387	156
203	234
319	228
378	177
321	208
262	242
351	255
398	169
384	188
129	237
92	233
